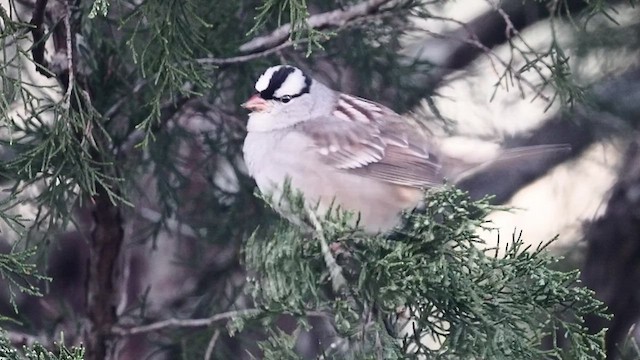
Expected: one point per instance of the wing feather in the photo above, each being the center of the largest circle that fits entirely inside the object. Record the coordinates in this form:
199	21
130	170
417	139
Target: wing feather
386	149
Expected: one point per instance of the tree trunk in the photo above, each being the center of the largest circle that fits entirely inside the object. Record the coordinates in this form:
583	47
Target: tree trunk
612	266
102	290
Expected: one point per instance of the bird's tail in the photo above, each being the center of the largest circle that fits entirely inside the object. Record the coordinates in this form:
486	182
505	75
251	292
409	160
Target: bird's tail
458	169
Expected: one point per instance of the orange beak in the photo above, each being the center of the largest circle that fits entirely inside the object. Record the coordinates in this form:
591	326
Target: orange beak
256	103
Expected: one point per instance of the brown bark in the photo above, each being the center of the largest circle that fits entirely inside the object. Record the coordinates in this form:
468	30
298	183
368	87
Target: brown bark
102	285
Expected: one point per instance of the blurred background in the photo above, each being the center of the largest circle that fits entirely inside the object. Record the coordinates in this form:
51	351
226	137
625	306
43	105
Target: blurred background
125	177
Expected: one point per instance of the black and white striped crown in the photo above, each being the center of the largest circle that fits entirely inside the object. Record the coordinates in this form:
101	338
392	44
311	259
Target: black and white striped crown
283	82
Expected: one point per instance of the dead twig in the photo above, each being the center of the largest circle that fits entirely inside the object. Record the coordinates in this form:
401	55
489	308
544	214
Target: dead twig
249	57
182	323
69	53
212	344
338	281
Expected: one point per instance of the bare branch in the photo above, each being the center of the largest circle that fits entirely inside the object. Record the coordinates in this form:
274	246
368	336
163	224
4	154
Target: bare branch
69	52
249	57
212	345
182	323
335	18
338	281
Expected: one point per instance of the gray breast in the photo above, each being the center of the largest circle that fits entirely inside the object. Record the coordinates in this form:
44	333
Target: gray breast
272	157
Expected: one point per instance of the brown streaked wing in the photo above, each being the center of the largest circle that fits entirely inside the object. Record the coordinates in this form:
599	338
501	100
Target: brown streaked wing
389	151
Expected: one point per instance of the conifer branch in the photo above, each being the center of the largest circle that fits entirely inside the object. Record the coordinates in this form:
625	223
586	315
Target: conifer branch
494	59
330	19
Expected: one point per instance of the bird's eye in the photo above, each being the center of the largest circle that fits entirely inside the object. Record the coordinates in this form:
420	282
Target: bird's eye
285	99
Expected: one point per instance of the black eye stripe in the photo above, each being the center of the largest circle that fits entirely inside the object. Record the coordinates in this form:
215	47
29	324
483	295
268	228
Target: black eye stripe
278	78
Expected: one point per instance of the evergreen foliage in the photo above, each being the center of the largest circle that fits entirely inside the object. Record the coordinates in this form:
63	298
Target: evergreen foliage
38	352
431	270
86	138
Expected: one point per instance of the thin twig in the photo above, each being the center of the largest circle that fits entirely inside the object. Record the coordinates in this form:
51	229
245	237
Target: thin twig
473	40
168	110
335	18
212	344
172	224
181	323
510	30
17	36
335	271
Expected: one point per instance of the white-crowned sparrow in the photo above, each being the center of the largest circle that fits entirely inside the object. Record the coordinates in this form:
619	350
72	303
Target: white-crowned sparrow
340	150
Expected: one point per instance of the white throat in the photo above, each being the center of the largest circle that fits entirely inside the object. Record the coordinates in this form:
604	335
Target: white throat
265	121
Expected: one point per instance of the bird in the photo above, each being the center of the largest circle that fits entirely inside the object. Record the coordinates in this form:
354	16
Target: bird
343	151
